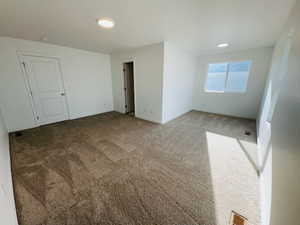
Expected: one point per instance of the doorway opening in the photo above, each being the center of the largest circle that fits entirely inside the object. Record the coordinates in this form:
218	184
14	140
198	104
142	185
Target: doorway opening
128	69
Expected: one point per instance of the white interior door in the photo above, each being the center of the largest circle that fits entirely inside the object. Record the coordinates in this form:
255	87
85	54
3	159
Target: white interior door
47	89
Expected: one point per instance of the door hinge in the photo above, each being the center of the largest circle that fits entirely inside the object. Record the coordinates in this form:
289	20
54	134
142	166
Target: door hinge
125	89
126	106
124	70
23	63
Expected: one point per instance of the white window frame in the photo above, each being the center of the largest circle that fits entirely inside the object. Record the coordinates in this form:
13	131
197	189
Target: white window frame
226	78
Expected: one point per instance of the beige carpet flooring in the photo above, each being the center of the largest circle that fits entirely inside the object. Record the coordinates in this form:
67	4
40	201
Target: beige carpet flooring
114	169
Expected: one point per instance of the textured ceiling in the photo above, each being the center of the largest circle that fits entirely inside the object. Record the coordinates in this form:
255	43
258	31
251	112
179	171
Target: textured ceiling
197	25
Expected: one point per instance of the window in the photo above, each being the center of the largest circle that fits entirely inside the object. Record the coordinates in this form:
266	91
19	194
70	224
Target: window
227	77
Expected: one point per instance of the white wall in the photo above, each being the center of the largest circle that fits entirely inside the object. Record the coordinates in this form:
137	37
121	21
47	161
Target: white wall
284	128
234	104
7	204
86	75
148	75
178	81
264	125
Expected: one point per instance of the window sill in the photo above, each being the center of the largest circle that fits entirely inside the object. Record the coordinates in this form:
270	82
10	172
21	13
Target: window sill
225	92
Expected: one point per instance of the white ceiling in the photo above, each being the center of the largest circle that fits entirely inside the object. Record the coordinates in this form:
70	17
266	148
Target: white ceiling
197	25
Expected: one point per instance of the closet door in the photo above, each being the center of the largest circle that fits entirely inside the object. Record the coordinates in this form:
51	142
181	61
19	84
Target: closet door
47	89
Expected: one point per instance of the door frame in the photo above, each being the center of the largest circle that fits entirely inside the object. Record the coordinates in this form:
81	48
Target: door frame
129	60
20	55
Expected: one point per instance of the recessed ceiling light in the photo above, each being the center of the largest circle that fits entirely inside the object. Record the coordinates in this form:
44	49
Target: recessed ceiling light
223	45
106	23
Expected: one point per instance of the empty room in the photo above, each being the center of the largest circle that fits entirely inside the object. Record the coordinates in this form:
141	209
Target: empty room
138	112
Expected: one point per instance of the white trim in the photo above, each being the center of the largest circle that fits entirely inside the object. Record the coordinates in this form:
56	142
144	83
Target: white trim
27	86
36	54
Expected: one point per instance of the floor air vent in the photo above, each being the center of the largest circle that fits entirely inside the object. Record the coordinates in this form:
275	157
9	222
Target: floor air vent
18	134
237	219
248	133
